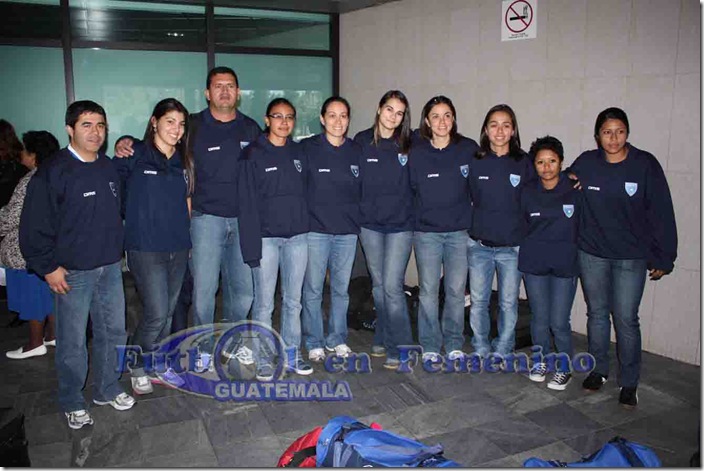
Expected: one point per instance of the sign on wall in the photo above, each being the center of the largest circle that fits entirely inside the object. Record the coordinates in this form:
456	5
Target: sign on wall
518	19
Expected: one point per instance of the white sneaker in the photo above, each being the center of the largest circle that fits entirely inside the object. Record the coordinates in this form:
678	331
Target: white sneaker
78	418
456	355
317	354
243	354
538	372
122	401
141	385
341	350
430	356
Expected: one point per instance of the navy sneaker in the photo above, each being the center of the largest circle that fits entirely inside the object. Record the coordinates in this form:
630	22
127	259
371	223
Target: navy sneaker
594	381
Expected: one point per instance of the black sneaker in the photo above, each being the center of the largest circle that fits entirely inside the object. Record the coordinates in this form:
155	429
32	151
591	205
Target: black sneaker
628	397
594	381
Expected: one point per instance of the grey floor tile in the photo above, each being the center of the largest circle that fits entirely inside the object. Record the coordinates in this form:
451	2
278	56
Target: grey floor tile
284	417
522	397
187	459
554	451
44	429
168	439
37	403
387	421
587	444
604	407
240	425
50	455
515	434
260	452
452	414
563	421
103	450
466	446
363	402
161	410
506	462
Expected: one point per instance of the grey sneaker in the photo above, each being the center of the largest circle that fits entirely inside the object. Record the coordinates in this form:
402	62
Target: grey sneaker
122	401
392	363
378	351
341	350
538	372
141	385
301	367
316	355
265	372
78	418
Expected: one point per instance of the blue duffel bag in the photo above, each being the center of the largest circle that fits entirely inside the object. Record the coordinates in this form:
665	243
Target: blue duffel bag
617	453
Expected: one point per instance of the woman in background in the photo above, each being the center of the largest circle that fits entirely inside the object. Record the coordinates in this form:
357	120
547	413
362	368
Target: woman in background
387	220
158	179
627	231
27	293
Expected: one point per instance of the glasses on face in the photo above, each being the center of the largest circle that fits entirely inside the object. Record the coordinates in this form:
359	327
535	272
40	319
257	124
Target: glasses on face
288	117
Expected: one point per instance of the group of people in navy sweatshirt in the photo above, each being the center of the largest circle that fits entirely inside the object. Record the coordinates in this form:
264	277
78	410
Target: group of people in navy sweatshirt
212	194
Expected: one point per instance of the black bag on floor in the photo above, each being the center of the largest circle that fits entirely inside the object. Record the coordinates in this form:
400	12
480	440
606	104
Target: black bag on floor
13	441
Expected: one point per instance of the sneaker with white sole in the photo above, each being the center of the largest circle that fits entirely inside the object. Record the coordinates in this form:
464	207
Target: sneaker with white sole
430	356
341	350
392	363
122	401
316	355
265	372
378	351
141	385
203	363
538	372
559	381
243	354
168	378
78	418
456	355
300	367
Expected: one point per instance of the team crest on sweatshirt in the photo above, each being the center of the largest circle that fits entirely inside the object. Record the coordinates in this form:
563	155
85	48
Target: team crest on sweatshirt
403	159
355	170
464	170
298	165
243	144
514	179
568	209
113	188
631	188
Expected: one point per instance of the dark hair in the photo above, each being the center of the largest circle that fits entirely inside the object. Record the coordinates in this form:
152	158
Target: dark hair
514	144
10	145
402	133
165	106
42	144
333	99
610	113
221	70
424	127
275	102
77	108
547	143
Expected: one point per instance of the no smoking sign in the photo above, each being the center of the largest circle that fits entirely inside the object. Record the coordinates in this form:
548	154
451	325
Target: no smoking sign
518	19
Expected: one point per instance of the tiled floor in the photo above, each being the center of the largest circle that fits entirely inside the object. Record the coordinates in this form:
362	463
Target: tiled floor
488	420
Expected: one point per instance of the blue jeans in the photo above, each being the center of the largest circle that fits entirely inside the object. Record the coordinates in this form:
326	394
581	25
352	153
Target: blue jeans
337	253
290	255
436	250
387	258
483	262
158	277
98	293
614	287
551	299
216	251
179	320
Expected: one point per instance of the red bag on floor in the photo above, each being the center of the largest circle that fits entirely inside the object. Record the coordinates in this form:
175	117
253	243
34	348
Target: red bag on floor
301	453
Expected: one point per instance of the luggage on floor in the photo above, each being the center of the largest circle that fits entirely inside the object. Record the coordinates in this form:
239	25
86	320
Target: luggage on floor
617	453
301	453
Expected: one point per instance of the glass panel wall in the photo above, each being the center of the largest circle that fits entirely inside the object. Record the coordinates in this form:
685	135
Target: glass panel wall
30	20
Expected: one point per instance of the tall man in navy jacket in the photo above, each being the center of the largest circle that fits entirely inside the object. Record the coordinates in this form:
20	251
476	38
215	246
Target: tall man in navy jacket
71	234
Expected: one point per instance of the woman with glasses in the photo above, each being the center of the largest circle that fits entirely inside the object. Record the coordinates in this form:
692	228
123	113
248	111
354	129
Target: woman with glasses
387	220
500	169
273	230
334	188
440	171
628	231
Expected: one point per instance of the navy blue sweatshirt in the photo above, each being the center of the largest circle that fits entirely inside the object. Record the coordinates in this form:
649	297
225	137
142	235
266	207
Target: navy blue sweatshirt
628	211
387	200
272	194
552	217
156	212
334	185
216	151
496	183
71	215
440	183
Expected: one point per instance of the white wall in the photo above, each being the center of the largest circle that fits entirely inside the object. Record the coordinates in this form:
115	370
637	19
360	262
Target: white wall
641	55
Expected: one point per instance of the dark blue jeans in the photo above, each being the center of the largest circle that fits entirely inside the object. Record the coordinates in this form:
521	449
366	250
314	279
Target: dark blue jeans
387	258
158	277
614	287
100	294
551	299
179	320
